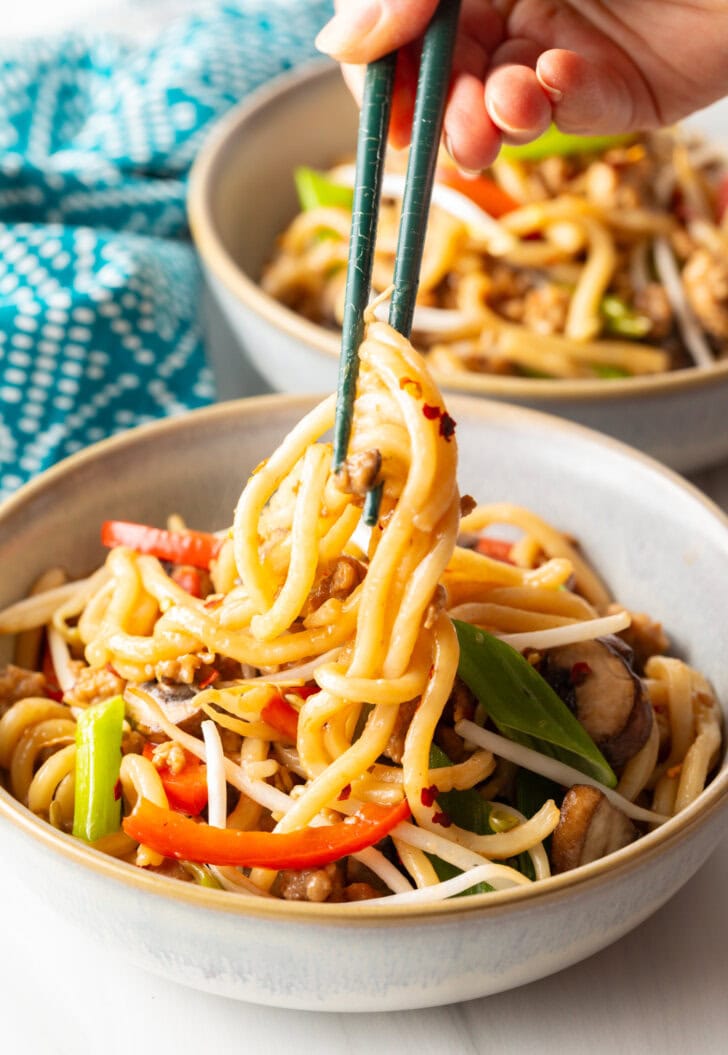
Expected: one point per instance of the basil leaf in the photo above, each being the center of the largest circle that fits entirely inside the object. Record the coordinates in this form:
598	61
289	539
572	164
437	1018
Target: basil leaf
532	790
523	706
466	809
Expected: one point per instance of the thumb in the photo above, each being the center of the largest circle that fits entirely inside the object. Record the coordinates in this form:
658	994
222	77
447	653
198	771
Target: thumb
586	98
363	30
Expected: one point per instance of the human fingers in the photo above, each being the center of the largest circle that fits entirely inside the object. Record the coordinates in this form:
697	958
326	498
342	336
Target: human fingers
587	98
470	136
517	102
363	30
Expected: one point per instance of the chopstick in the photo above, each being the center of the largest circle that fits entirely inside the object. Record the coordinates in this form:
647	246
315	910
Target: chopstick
432	86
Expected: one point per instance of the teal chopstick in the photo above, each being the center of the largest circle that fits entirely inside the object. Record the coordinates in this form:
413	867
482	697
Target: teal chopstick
432	86
370	150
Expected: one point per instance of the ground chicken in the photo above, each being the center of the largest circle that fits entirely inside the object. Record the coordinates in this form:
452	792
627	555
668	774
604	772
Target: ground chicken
16	683
705	278
545	309
311	884
181	670
652	302
342	580
94	684
644	636
360	472
170	756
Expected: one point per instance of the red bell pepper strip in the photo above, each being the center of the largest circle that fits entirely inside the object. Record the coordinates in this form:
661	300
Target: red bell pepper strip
186	790
197	548
497	548
485	192
175	835
279	714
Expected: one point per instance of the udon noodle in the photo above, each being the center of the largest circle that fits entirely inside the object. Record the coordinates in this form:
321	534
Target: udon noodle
309	713
584	264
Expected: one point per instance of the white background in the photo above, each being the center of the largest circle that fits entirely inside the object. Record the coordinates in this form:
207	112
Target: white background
663	988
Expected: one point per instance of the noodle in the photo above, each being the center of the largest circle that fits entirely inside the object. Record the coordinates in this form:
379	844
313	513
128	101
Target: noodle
320	678
598	265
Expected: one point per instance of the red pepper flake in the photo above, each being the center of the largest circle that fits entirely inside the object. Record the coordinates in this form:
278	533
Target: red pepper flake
117	791
345	793
211	676
579	672
429	795
447	426
674	771
442	819
431	412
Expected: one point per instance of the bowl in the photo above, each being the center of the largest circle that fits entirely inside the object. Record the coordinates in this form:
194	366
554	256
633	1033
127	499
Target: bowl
242	197
359	957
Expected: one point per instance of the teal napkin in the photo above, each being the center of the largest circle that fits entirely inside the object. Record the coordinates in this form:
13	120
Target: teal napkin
99	285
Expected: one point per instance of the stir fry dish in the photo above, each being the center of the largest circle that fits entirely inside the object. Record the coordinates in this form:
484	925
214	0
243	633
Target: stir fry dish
301	708
572	257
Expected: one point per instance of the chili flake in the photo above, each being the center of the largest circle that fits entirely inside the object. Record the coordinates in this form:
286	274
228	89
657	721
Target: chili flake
429	795
345	793
442	819
431	412
211	676
447	426
579	672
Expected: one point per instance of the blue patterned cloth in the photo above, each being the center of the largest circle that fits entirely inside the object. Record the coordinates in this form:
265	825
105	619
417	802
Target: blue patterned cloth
99	286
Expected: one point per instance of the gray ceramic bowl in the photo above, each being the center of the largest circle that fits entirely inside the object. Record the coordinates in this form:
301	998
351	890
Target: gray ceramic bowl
660	544
242	197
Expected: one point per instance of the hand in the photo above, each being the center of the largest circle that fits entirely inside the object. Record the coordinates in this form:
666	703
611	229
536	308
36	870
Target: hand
592	66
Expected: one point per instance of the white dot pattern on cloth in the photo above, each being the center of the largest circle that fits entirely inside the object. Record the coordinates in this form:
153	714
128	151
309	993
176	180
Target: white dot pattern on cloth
99	286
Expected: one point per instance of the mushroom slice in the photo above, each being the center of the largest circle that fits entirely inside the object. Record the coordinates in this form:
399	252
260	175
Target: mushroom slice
596	681
590	827
177	702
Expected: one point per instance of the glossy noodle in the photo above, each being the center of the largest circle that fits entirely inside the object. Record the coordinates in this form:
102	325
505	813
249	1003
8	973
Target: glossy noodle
294	709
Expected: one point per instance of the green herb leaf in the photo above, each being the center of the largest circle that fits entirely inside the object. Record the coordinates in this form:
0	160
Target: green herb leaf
523	705
532	790
466	809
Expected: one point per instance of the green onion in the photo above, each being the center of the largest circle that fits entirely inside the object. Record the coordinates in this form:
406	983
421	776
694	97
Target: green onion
202	875
609	372
555	143
97	803
622	320
315	190
523	706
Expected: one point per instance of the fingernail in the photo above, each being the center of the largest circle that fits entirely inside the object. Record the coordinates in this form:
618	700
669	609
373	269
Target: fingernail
555	94
504	126
348	28
468	173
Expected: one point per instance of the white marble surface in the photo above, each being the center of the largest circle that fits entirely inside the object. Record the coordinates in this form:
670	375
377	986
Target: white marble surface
660	989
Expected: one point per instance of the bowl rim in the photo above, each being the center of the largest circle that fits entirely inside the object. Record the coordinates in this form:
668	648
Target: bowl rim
225	136
712	800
